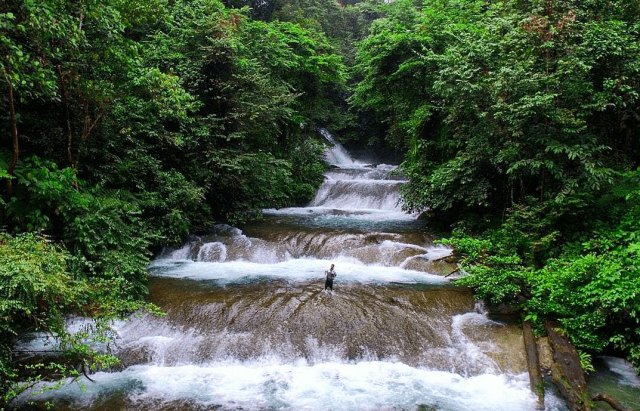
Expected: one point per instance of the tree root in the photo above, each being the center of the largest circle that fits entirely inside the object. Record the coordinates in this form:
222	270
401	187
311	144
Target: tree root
613	402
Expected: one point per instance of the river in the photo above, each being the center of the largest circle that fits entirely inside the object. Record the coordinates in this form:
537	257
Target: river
249	325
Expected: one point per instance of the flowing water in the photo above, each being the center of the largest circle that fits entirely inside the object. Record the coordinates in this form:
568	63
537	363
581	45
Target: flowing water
249	325
616	377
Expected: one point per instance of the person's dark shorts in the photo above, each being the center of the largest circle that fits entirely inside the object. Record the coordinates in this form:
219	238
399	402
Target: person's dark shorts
328	284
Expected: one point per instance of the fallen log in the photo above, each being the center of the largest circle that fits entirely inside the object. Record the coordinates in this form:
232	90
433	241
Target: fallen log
452	272
446	258
533	362
566	370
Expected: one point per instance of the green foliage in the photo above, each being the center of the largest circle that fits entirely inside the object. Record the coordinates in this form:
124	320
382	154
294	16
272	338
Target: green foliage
260	181
161	100
110	241
44	194
497	103
5	160
36	290
260	86
585	362
307	169
33	275
176	204
103	231
29	30
588	284
501	272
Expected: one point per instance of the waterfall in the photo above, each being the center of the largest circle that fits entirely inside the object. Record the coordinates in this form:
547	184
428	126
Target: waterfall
355	193
249	325
215	251
337	155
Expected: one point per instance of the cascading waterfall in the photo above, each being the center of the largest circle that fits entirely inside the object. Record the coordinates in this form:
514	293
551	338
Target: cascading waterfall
337	155
250	327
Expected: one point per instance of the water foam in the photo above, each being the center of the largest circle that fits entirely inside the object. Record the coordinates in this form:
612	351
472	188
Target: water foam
211	252
624	369
463	346
345	216
349	270
269	384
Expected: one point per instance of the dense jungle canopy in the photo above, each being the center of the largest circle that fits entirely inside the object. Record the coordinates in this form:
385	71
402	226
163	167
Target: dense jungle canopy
127	124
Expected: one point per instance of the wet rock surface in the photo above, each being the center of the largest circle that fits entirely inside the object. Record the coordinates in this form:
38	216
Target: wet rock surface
300	319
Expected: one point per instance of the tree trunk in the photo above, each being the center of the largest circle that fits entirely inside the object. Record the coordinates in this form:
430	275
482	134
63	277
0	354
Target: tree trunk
66	111
14	135
87	127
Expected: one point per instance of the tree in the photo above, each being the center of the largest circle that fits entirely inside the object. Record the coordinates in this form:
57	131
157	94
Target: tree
32	40
495	104
261	89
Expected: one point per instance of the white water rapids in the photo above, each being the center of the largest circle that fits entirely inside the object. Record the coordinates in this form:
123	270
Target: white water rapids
249	326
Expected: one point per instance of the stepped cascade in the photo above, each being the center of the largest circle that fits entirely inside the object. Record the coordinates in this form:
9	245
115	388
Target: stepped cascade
249	325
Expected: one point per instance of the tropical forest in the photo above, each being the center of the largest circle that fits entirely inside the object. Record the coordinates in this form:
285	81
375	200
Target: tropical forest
177	175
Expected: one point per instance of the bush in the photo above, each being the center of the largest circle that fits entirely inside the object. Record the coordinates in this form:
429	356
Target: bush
44	196
36	289
109	241
588	284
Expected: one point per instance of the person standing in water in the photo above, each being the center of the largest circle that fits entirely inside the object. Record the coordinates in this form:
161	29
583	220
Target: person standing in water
330	274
